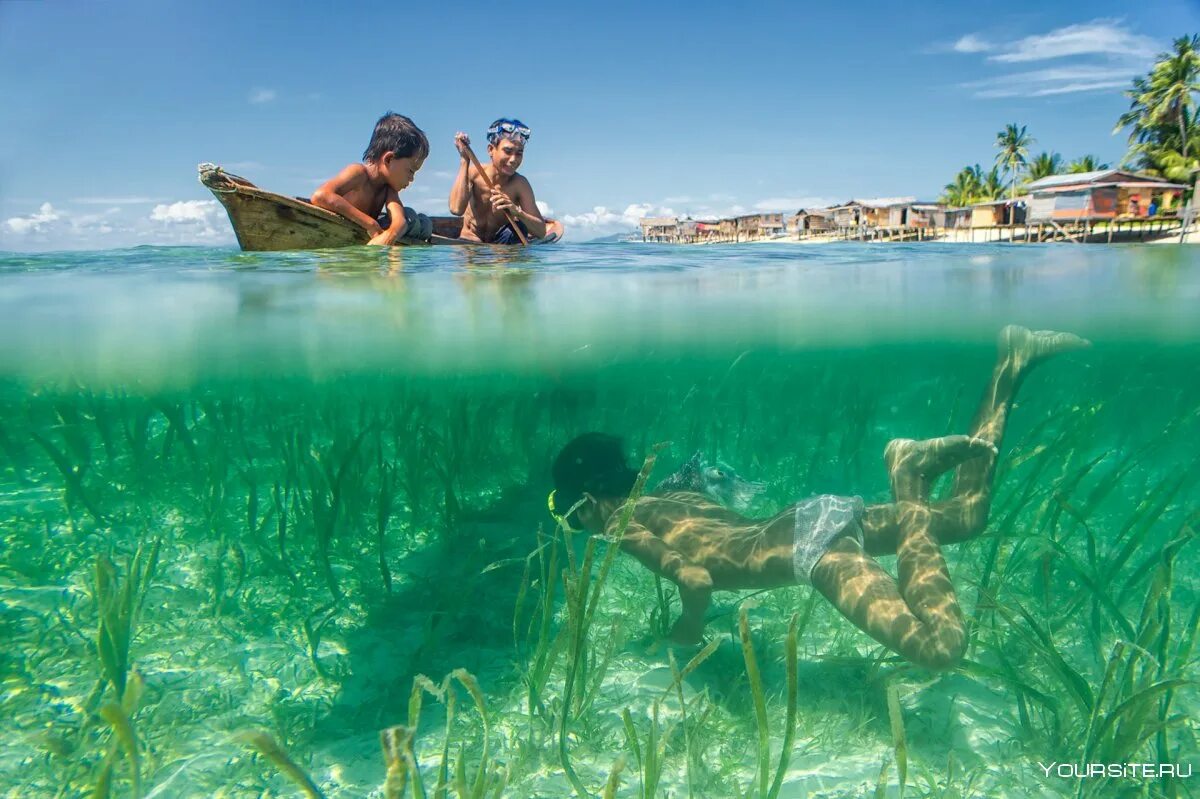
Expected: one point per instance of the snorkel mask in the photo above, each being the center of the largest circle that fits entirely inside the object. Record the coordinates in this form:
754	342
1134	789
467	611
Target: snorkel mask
561	518
508	129
558	517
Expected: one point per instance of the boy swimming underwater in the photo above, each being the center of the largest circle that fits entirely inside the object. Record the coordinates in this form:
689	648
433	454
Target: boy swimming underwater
686	536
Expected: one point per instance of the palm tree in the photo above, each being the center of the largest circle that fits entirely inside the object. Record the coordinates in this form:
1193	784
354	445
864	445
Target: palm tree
1161	115
1044	165
1013	143
1173	82
1086	163
965	188
993	185
972	185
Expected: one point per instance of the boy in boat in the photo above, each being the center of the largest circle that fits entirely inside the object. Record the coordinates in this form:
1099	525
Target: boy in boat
685	533
361	192
486	211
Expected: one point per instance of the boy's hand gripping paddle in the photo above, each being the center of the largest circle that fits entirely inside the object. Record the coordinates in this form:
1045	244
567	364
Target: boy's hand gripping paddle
486	179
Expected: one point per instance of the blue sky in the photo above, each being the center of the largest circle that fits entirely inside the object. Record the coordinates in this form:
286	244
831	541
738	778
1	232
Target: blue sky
699	107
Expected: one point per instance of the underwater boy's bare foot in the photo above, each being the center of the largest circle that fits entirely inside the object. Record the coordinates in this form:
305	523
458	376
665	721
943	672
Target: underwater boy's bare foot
1026	348
686	632
914	465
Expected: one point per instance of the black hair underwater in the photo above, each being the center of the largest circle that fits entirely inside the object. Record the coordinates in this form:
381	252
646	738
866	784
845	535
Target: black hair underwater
592	463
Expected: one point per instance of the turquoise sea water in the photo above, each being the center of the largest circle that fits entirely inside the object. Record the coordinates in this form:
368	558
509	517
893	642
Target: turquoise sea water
334	466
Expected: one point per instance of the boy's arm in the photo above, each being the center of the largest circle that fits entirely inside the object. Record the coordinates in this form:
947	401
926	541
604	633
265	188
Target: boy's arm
695	583
397	223
330	197
661	559
460	191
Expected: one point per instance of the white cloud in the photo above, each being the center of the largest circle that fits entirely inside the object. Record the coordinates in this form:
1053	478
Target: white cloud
260	96
1098	37
58	228
792	204
1052	81
196	220
81	225
185	222
92	224
1100	55
704	211
190	211
544	208
34	223
971	43
116	200
602	220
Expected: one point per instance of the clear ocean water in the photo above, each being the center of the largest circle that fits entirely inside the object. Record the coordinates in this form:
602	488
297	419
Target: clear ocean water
255	505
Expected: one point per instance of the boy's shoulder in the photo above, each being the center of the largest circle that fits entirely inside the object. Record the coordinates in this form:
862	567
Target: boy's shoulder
357	169
518	182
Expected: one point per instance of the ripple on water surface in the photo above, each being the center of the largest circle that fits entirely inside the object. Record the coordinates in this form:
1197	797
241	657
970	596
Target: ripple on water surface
178	314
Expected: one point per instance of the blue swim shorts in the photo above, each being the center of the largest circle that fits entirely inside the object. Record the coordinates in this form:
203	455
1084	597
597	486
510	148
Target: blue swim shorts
820	521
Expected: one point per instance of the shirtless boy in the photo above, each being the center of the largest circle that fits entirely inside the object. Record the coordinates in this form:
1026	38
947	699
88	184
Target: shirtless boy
826	541
482	209
361	192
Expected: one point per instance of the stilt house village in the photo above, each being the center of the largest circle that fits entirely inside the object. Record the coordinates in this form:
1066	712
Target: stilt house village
1102	205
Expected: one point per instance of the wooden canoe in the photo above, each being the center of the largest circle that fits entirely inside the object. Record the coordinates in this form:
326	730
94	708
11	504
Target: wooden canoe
264	220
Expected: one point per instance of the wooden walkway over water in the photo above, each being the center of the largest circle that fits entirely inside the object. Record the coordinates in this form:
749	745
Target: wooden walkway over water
1078	231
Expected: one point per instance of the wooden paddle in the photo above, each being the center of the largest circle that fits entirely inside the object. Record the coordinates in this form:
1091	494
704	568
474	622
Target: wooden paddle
486	179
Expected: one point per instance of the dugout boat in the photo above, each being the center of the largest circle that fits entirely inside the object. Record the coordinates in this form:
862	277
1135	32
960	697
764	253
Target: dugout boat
263	220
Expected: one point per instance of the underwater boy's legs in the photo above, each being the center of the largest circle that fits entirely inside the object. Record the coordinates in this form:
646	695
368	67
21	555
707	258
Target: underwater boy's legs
965	514
916	615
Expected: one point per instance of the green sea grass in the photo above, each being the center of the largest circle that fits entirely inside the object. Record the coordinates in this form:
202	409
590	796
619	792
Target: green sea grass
397	744
650	753
118	605
269	748
614	779
1085	576
899	739
677	678
73	473
543	644
582	592
768	785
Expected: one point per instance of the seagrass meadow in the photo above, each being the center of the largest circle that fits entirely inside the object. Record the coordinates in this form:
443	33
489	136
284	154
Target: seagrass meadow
276	525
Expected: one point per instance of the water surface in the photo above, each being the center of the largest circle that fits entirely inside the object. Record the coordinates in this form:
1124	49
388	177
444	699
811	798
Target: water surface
341	460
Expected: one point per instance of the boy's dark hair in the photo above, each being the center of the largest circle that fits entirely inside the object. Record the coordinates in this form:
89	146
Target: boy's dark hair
592	463
397	133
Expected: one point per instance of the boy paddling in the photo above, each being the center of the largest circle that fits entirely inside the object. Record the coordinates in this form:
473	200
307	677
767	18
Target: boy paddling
486	209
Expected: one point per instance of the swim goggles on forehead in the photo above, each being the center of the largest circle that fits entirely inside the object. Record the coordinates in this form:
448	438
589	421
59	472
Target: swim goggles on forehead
510	127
